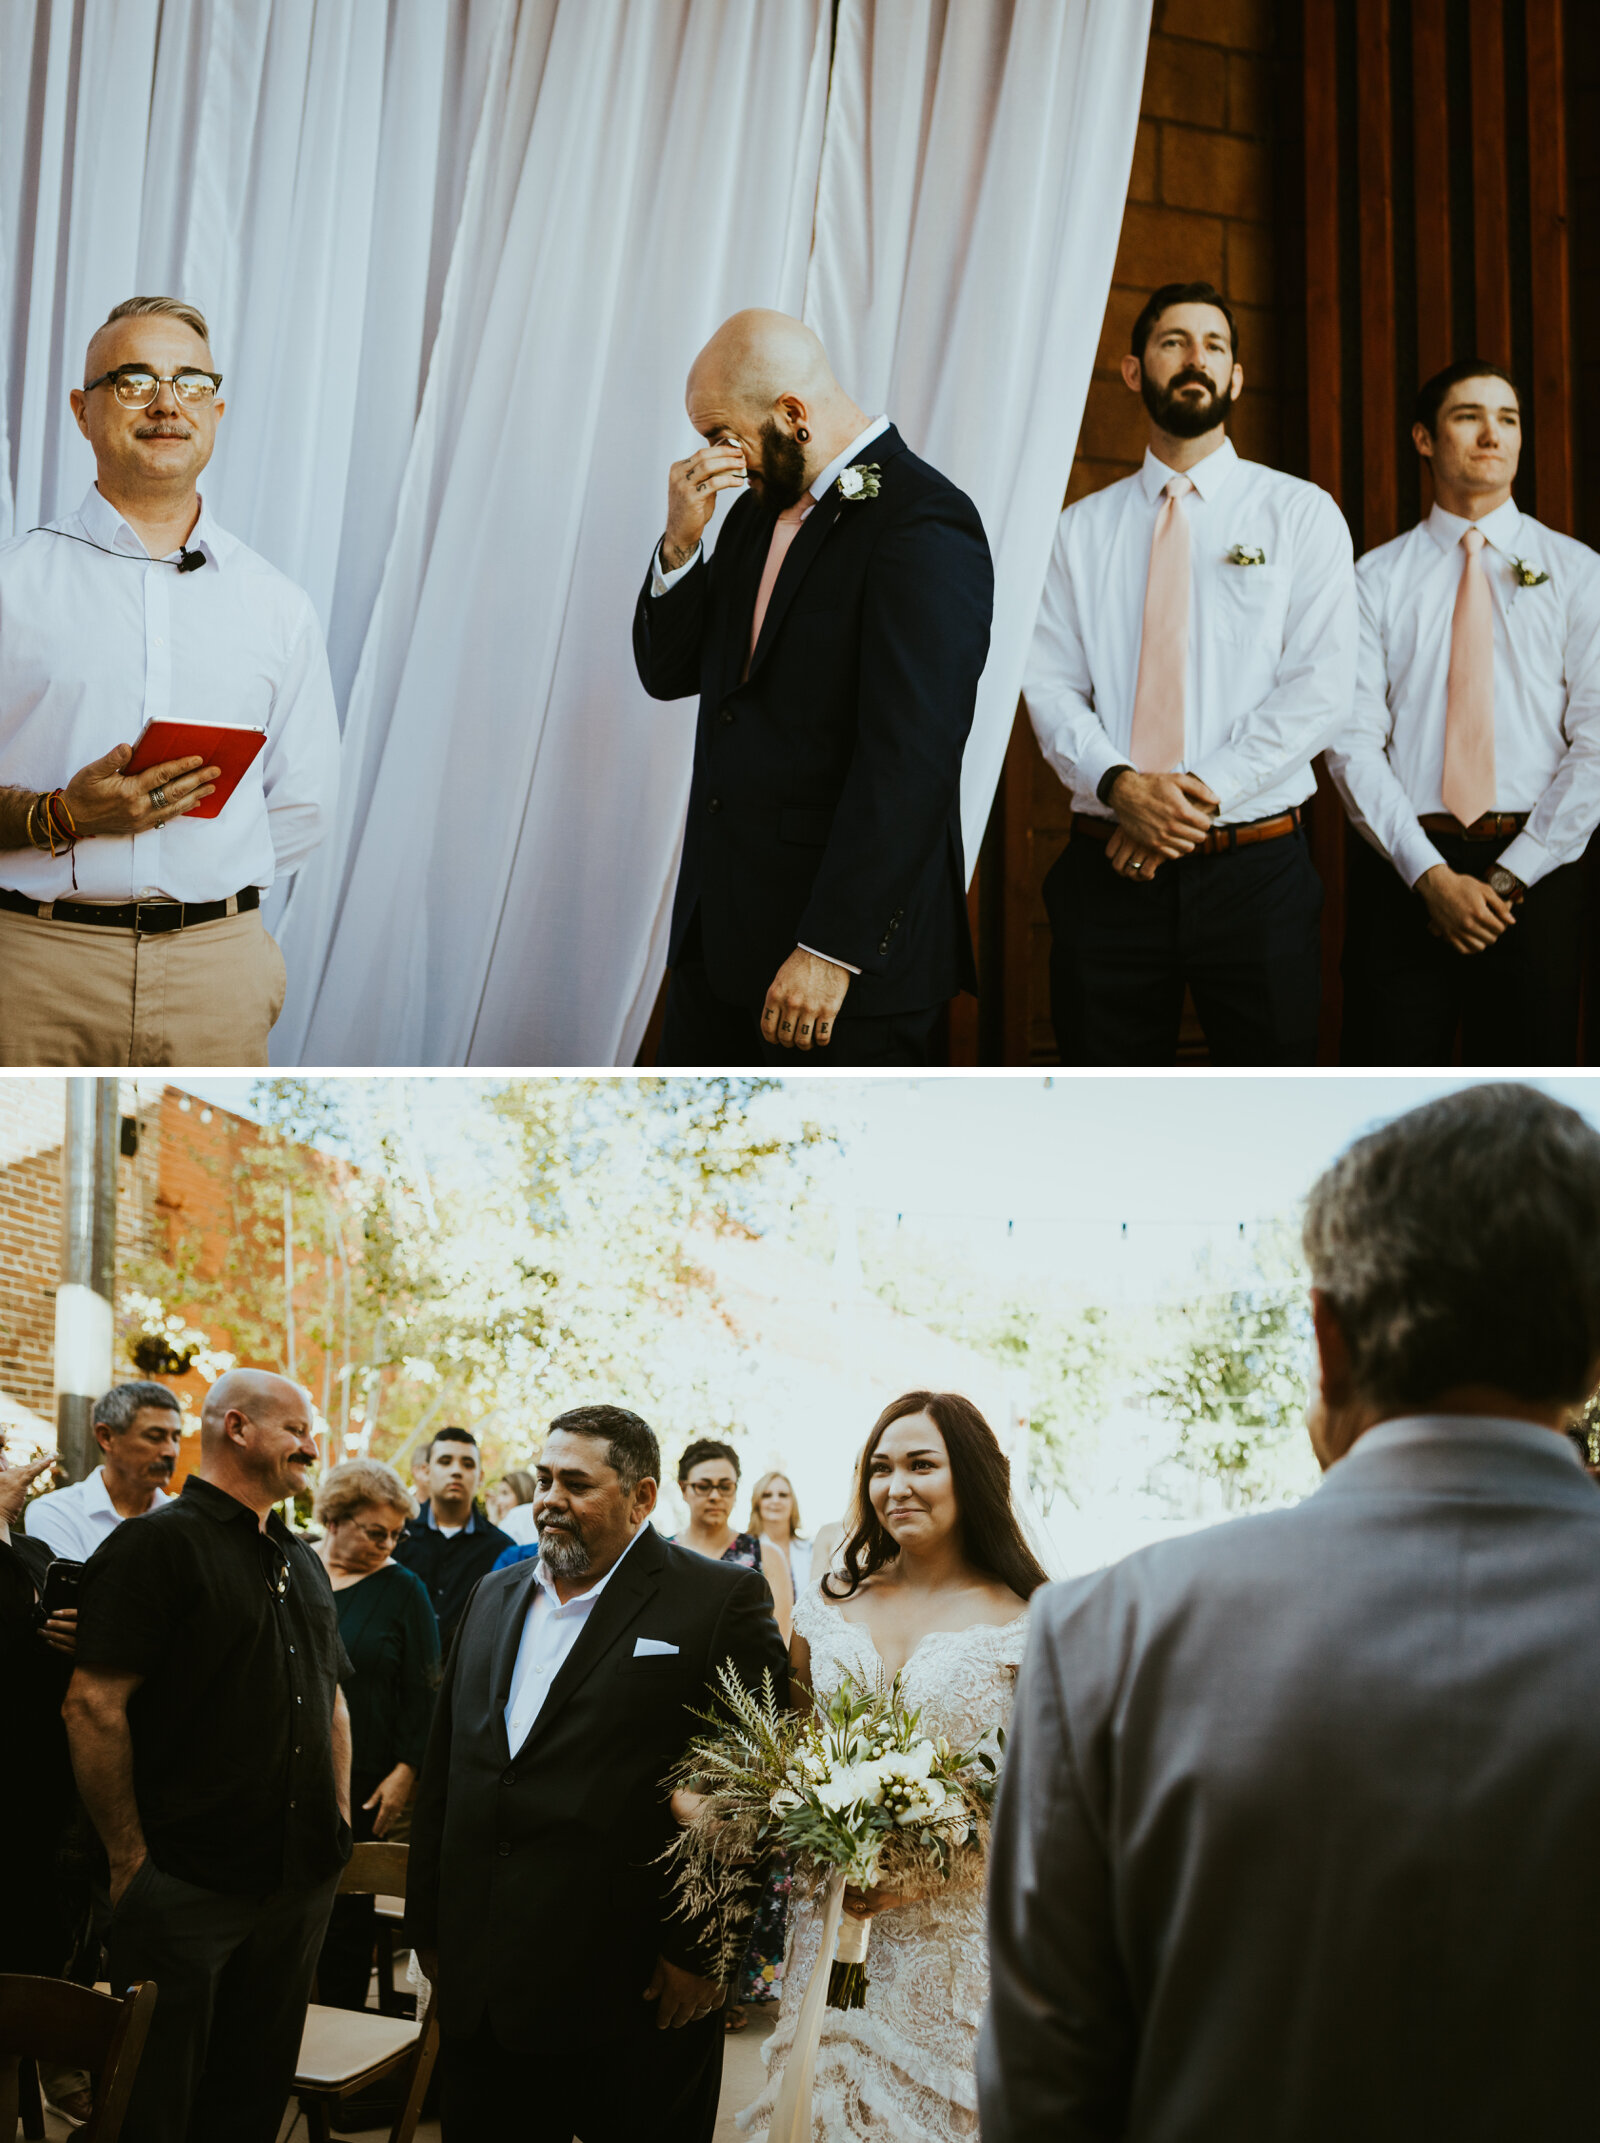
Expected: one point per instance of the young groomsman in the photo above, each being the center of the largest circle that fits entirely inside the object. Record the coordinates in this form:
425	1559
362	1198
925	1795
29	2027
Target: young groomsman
1195	649
1472	764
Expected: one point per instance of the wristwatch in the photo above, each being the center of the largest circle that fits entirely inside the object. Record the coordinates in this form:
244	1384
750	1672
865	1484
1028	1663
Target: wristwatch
1108	781
1507	884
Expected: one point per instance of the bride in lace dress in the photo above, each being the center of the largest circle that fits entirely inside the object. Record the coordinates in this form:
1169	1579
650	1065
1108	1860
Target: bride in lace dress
934	1578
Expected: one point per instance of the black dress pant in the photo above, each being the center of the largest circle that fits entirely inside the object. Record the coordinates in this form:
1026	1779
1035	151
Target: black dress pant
701	1028
1409	996
1240	929
609	2077
233	1976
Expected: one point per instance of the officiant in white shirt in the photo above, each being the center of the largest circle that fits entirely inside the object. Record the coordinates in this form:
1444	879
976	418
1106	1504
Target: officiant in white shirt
130	931
1195	649
1471	766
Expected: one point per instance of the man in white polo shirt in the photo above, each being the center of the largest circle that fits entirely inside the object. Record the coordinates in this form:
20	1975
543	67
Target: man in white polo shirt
1471	765
137	1428
129	930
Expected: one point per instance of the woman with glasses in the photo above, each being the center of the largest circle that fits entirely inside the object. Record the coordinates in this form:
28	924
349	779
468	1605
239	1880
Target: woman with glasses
392	1636
708	1481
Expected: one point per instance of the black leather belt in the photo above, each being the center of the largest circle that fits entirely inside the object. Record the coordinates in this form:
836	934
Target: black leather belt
149	917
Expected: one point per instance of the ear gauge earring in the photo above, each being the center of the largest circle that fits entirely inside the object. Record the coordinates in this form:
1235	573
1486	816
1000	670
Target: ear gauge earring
803	435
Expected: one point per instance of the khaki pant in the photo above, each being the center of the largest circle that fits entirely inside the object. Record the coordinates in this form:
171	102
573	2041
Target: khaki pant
71	993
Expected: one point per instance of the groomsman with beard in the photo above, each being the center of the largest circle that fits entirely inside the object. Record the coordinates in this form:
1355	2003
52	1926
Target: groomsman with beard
835	640
573	1999
1471	766
1195	649
1296	1836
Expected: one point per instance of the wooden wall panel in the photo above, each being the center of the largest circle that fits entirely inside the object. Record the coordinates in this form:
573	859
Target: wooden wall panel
1430	139
1491	175
1551	387
1375	196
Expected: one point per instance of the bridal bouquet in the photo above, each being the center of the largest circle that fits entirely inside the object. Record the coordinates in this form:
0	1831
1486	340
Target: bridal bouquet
855	1792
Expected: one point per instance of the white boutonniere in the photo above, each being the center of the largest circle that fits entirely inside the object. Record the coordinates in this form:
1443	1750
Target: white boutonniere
1527	574
1243	555
862	482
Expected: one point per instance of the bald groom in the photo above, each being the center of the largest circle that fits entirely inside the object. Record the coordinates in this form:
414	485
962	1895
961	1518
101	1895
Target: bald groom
835	640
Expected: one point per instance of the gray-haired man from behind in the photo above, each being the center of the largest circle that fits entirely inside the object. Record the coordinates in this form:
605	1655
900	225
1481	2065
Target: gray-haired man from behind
1297	1835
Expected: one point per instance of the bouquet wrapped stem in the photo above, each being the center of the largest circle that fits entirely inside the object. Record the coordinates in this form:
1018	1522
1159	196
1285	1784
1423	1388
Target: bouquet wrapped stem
847	1981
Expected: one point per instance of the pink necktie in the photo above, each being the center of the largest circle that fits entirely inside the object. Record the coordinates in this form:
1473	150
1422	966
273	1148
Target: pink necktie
1468	783
783	534
1156	744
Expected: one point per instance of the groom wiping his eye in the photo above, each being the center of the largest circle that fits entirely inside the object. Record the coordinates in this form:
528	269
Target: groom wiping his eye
835	639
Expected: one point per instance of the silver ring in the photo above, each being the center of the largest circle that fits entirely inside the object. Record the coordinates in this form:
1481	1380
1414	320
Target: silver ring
158	797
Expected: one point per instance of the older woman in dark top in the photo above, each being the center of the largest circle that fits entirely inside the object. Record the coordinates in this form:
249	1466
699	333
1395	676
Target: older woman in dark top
392	1636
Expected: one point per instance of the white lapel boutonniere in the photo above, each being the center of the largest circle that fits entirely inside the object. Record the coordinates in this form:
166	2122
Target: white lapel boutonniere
862	482
1527	574
1243	555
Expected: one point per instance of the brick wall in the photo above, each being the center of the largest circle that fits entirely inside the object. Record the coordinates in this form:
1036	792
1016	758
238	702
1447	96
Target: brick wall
1203	202
31	1117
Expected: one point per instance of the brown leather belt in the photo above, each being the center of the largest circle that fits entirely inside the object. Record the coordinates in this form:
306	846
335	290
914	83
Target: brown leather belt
1214	844
1493	826
151	918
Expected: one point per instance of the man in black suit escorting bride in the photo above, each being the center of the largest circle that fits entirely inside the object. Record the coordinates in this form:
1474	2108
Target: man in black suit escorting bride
571	1999
835	640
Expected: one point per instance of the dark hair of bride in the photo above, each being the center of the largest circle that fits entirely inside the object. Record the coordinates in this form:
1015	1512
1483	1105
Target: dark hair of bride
991	1538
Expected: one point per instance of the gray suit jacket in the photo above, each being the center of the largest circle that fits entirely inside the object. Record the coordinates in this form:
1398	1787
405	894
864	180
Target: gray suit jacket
1299	1837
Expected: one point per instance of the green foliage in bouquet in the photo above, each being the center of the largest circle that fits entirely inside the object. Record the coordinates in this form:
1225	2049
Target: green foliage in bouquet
853	1786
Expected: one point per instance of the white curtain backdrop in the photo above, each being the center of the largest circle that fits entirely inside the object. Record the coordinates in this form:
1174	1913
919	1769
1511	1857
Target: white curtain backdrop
457	255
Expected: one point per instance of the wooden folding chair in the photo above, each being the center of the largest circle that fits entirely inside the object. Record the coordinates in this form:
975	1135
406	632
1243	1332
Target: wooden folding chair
343	2051
57	2020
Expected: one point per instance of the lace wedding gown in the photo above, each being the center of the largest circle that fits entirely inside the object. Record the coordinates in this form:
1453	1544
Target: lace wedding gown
903	2066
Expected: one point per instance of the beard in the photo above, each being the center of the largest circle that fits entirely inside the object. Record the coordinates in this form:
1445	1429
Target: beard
783	468
1189	419
562	1550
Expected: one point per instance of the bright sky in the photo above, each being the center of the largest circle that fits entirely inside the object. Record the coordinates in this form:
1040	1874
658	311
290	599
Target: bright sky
1043	1173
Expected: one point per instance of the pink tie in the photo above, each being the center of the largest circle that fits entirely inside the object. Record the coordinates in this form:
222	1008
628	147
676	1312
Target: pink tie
783	534
1468	782
1156	744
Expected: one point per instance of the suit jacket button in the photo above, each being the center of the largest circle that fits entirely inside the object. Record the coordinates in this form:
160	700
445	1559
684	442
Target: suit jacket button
508	1778
729	715
883	945
504	1848
713	803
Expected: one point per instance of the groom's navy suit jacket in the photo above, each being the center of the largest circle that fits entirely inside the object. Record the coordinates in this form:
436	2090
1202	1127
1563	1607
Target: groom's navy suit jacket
534	1871
825	808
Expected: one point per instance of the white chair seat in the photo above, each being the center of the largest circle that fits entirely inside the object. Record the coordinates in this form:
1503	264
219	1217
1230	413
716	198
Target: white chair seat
341	2046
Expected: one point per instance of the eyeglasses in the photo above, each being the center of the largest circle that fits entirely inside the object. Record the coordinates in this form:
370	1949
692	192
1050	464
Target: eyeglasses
136	386
710	1488
381	1536
277	1576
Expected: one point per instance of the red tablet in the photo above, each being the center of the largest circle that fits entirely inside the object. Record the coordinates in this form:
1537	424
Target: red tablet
220	744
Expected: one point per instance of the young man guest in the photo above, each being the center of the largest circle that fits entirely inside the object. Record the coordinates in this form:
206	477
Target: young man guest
835	639
1471	766
129	931
1195	648
137	1427
450	1543
211	1745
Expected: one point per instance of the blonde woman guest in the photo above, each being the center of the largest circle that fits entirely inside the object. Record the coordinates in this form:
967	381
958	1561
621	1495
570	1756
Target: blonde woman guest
775	1516
510	1505
389	1629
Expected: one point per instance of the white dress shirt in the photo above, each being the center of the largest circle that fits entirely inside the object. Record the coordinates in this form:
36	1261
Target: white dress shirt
1389	763
1272	647
550	1629
76	1519
92	648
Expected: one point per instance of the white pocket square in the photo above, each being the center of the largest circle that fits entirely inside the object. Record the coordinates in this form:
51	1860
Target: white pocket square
652	1648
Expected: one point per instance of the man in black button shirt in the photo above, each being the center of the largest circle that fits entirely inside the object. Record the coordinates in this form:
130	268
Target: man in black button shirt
450	1543
212	1748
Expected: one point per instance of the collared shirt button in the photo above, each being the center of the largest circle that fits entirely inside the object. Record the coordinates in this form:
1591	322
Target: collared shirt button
504	1848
